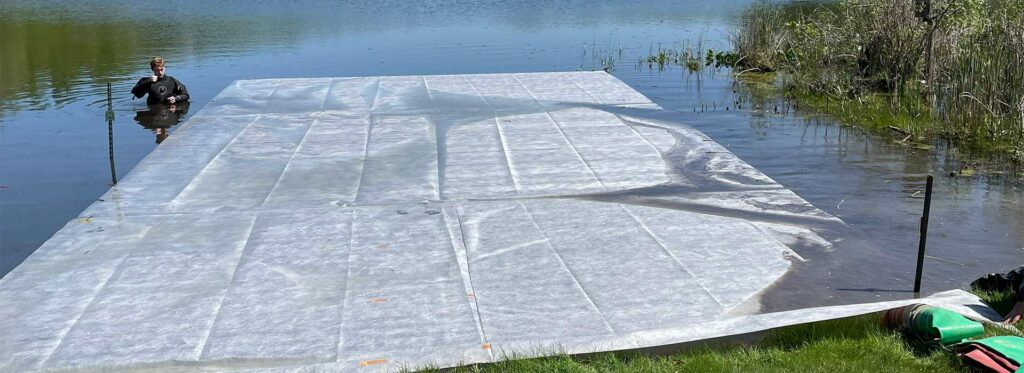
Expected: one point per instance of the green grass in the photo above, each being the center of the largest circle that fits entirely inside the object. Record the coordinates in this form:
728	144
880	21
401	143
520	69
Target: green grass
857	344
876	112
880	113
858	59
1001	301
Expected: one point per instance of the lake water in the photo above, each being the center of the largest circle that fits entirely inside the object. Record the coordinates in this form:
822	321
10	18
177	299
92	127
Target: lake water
56	59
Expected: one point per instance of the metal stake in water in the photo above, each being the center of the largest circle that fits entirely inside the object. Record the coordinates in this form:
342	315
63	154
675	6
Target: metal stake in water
924	234
110	134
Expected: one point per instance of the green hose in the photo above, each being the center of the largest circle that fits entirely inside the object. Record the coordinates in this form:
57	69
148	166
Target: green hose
947	326
933	324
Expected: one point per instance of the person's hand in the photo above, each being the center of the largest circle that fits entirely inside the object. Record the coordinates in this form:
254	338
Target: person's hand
153	78
171	99
1016	313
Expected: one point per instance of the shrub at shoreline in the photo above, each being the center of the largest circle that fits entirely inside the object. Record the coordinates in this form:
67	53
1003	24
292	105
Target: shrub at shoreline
939	68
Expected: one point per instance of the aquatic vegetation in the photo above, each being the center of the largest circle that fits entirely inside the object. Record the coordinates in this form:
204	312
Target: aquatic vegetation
691	56
600	58
955	70
760	39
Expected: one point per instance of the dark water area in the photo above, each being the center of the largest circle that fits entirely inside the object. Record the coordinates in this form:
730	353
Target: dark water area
56	59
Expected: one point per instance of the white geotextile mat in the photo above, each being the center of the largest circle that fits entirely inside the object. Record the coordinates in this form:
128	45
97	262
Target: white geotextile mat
382	222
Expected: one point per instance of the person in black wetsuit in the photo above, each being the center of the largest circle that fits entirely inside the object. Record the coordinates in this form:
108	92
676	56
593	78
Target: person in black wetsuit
161	88
1011	281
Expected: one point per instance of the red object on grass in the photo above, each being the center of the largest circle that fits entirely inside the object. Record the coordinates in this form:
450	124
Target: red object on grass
988	359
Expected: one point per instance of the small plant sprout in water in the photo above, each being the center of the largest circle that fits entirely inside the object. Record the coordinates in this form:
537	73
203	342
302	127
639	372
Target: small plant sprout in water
599	58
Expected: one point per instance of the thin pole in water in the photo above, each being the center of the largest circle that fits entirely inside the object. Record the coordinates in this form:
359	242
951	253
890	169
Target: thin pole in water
924	234
110	134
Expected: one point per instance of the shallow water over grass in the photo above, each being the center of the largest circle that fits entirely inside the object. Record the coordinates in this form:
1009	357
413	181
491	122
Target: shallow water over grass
54	144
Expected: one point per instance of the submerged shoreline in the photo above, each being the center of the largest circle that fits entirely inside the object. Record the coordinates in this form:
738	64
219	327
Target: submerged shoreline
871	113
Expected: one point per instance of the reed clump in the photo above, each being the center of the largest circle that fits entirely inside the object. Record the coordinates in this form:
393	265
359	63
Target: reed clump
947	68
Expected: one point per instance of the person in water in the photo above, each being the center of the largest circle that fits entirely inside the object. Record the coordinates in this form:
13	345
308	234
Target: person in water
1012	281
161	88
160	118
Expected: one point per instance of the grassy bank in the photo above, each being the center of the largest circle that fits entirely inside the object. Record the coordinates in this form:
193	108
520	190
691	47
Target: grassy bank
858	344
955	72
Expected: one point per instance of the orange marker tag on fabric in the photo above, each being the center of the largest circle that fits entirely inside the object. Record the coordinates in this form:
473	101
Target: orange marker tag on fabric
365	363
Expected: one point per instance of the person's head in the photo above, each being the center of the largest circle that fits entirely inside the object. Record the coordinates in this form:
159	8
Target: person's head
157	65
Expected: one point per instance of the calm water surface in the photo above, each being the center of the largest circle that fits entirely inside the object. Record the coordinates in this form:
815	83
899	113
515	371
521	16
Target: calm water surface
56	59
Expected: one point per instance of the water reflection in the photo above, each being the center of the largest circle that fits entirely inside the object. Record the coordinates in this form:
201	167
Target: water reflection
54	53
160	118
52	63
